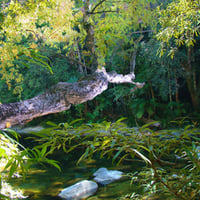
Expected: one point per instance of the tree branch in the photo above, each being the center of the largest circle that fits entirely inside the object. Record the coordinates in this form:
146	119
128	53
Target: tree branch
100	12
133	57
98	4
36	34
146	31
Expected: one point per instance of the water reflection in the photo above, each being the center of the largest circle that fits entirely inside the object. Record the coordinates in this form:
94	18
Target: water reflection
45	184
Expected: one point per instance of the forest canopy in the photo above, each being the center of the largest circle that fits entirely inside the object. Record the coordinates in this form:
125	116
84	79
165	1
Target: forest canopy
46	42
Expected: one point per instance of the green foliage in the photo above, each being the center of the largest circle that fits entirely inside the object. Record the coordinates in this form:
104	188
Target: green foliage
115	29
26	26
15	158
179	32
141	106
45	25
171	157
180	21
40	41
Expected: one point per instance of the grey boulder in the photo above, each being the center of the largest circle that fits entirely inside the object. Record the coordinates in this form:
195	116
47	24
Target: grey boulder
80	190
104	176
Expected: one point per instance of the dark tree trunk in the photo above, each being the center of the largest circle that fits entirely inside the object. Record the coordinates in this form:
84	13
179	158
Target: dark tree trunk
191	81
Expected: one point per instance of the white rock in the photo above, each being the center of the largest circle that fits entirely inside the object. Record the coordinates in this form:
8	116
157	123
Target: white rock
104	176
80	190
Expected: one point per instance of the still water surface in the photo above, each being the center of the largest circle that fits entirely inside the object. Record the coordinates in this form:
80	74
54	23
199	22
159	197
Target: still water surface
45	184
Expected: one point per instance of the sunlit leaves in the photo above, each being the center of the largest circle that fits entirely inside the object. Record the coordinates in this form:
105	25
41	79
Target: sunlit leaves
18	160
45	19
115	23
179	22
29	25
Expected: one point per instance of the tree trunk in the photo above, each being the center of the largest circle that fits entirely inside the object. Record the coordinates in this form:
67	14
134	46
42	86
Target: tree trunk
60	97
177	87
89	47
191	81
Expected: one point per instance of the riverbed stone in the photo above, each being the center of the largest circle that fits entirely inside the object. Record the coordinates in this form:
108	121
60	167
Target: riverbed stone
80	190
104	176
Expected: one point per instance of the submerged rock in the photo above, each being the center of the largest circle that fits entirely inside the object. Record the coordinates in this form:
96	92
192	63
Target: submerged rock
104	176
80	190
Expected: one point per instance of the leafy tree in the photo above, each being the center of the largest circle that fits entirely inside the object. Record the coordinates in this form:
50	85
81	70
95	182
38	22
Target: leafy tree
24	29
162	75
82	29
87	39
180	29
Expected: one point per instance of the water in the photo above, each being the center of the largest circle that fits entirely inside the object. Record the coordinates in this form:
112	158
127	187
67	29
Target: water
45	184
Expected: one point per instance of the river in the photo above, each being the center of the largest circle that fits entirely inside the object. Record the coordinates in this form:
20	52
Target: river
45	183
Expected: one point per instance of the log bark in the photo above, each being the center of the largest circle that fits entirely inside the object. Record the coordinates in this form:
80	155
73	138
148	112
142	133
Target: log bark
60	97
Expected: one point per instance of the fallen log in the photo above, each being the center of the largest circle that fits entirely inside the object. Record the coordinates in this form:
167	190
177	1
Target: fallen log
60	97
